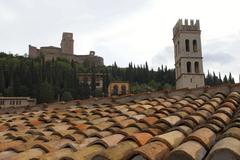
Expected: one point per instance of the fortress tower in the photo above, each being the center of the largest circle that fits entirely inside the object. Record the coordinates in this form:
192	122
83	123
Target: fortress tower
67	43
188	54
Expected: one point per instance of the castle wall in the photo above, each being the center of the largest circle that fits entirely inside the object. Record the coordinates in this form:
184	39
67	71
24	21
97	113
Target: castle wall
65	52
76	58
50	49
33	52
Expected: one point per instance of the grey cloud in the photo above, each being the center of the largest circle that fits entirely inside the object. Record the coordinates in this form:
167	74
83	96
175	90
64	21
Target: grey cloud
224	50
220	57
164	57
42	22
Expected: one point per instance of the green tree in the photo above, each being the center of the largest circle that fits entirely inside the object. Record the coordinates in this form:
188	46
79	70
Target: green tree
2	81
46	93
67	96
93	80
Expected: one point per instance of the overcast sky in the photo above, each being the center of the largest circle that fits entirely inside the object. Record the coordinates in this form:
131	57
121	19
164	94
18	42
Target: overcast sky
124	30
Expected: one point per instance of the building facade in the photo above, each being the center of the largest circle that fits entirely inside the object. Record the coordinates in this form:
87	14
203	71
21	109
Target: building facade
118	88
6	102
188	54
66	51
87	77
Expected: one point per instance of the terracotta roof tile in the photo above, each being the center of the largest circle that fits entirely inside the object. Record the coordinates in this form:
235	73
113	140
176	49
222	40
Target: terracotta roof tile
171	139
190	150
227	148
150	120
116	153
168	127
205	136
139	138
109	141
150	151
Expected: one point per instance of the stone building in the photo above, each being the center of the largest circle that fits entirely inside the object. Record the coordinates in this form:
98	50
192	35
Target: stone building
188	54
6	102
66	52
87	77
118	88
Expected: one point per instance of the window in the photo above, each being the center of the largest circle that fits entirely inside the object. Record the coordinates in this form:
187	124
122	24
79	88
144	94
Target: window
194	45
1	102
175	50
115	90
123	89
176	71
188	67
187	45
178	47
18	102
196	66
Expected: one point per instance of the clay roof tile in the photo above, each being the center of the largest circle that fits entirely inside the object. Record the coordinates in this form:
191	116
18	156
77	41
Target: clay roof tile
227	148
150	151
190	150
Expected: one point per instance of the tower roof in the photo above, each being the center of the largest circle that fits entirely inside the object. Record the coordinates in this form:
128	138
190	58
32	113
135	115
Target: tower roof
186	26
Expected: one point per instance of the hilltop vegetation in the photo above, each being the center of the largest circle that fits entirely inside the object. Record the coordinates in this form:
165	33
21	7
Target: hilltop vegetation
58	80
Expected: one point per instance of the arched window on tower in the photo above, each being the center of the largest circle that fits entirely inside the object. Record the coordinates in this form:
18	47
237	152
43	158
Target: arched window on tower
194	45
178	47
196	66
175	50
187	45
180	68
188	67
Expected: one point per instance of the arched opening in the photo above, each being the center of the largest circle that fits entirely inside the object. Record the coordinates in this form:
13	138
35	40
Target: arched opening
188	67
180	68
176	71
115	90
175	50
196	66
187	45
178	47
194	45
124	91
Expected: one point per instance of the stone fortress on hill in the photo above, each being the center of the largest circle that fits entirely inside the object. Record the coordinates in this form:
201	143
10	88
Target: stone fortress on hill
66	52
187	53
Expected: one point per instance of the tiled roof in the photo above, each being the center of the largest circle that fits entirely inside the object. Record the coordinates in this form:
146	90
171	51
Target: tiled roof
185	127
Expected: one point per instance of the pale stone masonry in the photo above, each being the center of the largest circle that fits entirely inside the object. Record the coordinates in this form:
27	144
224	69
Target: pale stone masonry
6	102
66	52
67	43
188	54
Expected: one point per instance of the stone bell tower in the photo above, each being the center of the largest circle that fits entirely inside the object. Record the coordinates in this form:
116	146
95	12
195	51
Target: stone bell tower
188	54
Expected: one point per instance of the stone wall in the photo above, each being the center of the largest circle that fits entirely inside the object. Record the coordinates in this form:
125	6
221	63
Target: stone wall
65	52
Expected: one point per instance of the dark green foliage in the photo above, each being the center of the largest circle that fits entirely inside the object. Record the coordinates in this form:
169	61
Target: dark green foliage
57	79
67	96
212	79
142	79
93	80
46	81
106	81
46	93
